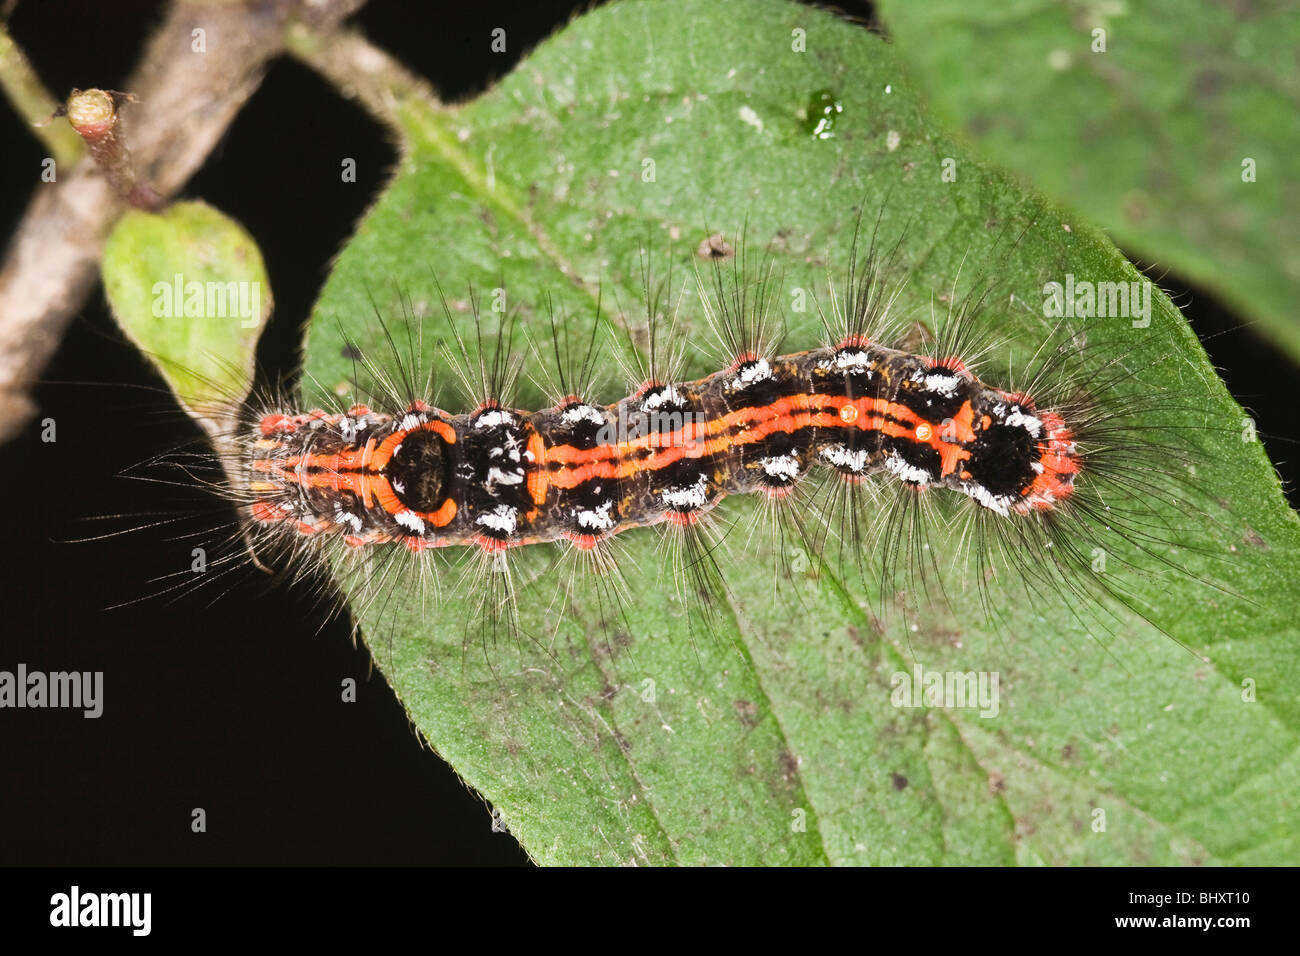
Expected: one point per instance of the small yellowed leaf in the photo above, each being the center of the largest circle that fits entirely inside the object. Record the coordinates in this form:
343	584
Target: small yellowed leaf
188	286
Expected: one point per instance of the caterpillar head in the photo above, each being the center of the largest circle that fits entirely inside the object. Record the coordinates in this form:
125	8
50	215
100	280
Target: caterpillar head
1021	460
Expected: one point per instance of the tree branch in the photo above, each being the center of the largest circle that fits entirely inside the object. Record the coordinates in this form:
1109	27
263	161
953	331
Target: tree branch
189	87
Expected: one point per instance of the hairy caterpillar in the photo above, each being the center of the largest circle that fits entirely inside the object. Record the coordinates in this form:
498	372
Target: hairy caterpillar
848	441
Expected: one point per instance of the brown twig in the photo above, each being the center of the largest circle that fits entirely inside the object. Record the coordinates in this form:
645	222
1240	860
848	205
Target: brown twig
93	114
187	98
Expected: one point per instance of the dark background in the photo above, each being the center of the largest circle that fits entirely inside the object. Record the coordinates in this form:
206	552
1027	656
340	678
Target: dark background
234	707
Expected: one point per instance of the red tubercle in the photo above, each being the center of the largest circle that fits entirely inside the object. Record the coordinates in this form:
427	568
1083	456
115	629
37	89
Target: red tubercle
583	542
494	545
855	341
683	519
1056	428
1045	493
287	424
953	364
778	492
744	358
647	386
265	512
276	422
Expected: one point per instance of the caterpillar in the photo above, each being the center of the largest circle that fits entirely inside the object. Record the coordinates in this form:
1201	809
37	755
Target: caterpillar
1040	466
500	477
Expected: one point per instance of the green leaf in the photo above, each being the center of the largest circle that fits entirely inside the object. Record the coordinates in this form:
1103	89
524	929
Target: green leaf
775	740
1154	138
189	288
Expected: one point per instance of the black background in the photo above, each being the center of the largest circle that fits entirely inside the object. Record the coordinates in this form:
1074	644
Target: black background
235	707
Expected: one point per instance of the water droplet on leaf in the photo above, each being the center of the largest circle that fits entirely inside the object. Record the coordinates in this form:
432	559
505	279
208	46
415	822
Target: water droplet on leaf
824	107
